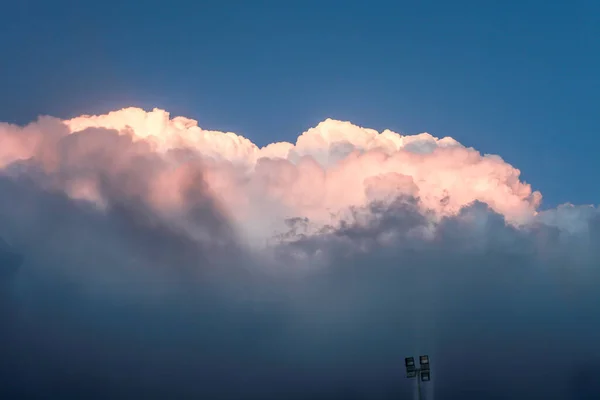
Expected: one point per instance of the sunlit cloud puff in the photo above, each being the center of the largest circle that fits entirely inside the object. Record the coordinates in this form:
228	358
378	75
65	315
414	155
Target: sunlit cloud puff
331	170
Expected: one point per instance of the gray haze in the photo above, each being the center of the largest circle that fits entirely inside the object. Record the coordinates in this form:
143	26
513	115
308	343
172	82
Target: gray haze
119	303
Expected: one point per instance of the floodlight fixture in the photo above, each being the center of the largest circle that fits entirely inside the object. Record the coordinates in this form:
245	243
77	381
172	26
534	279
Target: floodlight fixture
424	361
423	373
411	369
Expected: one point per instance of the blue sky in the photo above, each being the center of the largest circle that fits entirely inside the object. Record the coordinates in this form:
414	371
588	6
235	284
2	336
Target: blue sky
518	78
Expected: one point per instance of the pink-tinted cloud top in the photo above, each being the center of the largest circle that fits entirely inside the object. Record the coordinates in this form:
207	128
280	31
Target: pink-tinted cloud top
331	168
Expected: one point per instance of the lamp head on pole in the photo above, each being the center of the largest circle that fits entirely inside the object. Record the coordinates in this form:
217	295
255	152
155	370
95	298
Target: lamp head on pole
411	369
424	370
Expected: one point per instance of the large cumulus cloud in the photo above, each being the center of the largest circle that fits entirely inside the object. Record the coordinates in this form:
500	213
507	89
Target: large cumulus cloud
170	261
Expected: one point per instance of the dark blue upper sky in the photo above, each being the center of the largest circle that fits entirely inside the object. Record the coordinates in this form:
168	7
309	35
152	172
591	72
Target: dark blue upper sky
517	78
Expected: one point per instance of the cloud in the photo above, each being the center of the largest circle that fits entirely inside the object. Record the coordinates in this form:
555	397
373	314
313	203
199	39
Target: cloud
332	167
164	260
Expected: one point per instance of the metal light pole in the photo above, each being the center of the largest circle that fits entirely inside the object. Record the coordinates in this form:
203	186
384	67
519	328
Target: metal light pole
423	373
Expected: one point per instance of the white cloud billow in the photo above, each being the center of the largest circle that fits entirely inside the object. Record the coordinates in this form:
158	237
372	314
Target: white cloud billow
331	167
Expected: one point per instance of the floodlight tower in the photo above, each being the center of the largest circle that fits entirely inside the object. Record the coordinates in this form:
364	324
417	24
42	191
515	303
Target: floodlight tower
423	373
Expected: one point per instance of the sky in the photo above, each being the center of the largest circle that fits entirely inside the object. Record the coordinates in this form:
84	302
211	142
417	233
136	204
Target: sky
516	78
256	200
